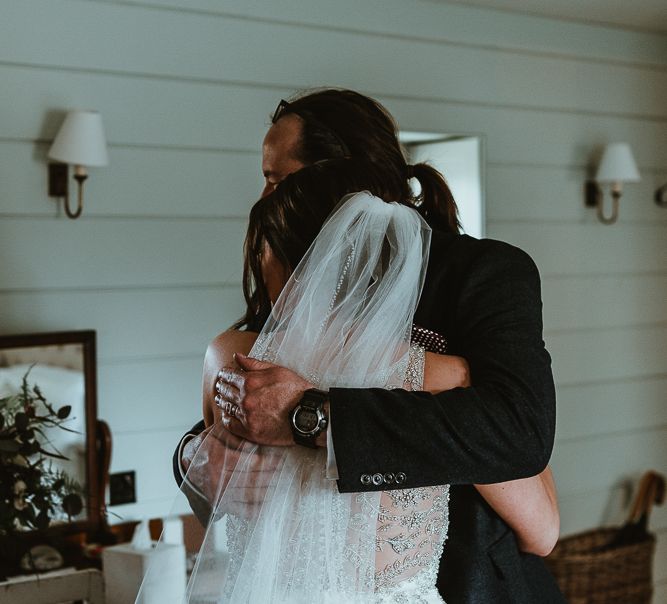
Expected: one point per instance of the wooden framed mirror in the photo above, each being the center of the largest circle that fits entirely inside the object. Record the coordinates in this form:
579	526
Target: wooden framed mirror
63	365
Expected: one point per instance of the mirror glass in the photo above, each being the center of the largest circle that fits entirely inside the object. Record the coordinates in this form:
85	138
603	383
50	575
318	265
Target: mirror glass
62	365
460	159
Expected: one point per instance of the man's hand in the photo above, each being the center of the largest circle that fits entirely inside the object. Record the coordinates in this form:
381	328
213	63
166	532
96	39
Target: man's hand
257	400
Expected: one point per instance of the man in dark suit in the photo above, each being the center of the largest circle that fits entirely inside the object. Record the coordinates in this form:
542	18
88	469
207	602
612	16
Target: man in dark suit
484	297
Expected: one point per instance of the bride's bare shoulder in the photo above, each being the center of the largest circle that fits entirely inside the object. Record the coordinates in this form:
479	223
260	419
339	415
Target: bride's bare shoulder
222	348
219	354
233	338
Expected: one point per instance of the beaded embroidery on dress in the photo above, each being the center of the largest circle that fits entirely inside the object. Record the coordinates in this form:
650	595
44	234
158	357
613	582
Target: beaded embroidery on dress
279	531
412	528
410	532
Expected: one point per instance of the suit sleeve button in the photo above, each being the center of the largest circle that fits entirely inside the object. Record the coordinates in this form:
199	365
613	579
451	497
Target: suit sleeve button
389	478
400	477
365	479
377	479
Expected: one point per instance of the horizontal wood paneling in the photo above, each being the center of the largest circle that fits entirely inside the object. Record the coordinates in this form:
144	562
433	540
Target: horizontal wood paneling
165	395
130	324
149	453
140	111
533	137
609	354
600	462
119	252
611	406
190	38
606	507
552	193
139	181
578	302
571	249
447	22
190	182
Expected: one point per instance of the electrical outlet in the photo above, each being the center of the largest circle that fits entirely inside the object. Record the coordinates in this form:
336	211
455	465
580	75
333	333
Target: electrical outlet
122	488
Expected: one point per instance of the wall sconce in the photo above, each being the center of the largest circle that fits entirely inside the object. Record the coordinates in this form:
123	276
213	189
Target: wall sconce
80	142
616	167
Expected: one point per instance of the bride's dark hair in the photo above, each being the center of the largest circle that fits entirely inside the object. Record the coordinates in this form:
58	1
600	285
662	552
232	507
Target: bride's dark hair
290	217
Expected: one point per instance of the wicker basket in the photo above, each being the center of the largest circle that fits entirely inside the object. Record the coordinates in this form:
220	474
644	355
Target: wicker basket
611	565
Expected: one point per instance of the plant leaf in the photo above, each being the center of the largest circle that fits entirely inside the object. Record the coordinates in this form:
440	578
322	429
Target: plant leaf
10	446
42	520
21	421
72	504
52	454
64	411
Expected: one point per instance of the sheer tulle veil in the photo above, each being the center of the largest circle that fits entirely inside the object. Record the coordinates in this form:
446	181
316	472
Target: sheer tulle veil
277	529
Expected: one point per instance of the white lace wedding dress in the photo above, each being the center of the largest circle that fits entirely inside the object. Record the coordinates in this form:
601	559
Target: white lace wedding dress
344	319
410	532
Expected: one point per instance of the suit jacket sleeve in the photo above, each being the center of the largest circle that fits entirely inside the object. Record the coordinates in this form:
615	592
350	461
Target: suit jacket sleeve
198	502
501	428
176	459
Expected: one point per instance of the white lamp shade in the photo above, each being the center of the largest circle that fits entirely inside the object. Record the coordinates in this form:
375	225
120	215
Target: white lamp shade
80	140
617	164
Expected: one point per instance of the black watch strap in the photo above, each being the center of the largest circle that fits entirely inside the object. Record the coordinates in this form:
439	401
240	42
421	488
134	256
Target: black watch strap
312	404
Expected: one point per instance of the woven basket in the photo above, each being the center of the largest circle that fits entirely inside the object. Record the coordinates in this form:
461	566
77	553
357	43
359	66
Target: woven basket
600	567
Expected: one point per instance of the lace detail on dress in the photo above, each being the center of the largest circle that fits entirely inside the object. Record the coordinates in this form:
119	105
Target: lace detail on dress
411	533
411	528
414	374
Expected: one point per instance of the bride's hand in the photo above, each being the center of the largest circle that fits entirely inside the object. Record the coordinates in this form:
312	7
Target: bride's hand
212	457
257	400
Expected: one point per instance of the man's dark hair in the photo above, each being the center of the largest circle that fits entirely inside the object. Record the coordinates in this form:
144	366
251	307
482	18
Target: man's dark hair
342	123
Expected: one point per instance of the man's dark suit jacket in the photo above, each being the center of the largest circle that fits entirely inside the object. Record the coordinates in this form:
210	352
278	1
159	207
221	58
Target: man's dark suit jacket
484	296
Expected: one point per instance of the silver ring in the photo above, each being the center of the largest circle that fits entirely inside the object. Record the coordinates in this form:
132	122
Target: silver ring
231	409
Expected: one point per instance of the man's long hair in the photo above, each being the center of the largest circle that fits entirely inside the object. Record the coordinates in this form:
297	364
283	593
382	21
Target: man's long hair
344	123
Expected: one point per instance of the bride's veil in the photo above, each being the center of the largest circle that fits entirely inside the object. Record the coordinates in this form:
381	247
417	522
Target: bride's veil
277	529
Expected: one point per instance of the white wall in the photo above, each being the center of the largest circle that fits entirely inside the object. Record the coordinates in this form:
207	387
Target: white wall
186	87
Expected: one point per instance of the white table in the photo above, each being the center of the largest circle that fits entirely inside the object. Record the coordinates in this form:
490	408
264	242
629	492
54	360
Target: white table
64	585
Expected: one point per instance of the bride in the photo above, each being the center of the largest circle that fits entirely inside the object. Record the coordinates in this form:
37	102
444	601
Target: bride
333	273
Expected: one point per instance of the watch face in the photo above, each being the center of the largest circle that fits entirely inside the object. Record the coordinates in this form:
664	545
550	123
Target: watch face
306	420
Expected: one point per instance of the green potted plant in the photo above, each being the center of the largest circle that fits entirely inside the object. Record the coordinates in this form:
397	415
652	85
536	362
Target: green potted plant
33	493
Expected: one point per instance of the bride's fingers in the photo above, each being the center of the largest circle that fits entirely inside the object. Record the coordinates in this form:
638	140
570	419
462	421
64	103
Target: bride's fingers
227	392
231	376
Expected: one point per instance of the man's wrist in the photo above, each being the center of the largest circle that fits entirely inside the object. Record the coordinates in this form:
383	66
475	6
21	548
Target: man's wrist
309	419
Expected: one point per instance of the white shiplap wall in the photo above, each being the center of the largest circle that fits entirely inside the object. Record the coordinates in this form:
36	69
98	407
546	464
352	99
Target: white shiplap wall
185	88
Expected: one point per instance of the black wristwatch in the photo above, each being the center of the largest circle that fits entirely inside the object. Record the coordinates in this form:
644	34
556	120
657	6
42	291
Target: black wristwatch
308	418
